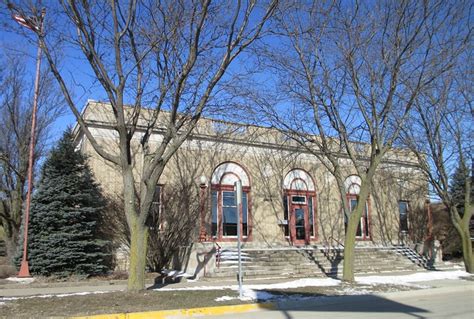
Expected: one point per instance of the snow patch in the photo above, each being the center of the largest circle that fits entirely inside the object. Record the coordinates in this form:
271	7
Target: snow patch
354	291
254	291
408	279
175	273
307	282
225	298
249	294
21	280
197	288
3	299
304	282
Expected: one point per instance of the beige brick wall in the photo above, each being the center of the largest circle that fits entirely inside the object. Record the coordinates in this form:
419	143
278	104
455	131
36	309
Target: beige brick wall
267	159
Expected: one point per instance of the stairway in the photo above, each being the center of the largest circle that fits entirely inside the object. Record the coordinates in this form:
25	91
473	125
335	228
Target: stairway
422	261
274	263
317	262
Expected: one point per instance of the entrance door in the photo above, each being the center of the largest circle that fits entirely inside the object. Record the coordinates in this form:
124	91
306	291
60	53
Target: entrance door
299	229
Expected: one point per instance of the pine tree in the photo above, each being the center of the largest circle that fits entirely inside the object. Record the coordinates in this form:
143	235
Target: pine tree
64	236
458	187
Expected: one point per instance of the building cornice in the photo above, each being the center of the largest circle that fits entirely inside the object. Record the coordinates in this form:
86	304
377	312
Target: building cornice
248	142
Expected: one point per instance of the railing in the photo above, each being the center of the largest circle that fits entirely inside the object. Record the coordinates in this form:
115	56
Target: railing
218	254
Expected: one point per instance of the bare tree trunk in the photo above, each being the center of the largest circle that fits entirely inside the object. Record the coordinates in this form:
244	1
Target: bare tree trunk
467	250
138	233
349	246
462	227
138	247
350	238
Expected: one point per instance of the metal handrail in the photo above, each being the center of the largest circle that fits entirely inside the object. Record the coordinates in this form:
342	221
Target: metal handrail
218	254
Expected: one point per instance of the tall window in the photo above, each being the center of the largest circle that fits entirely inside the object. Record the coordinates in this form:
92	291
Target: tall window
298	207
311	215
352	185
155	218
224	203
215	209
403	209
229	214
363	227
286	218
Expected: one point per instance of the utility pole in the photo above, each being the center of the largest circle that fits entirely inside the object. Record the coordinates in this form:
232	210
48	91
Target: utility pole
238	190
35	24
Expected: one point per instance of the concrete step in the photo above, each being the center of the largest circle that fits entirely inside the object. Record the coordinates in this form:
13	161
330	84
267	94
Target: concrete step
318	262
295	274
267	272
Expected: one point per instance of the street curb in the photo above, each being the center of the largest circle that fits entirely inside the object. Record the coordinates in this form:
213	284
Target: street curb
204	311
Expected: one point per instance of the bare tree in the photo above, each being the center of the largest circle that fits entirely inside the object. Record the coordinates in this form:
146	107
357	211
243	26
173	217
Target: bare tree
170	55
16	91
441	136
349	75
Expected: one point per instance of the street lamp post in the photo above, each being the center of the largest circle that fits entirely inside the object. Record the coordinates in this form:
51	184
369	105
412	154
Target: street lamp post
238	201
35	25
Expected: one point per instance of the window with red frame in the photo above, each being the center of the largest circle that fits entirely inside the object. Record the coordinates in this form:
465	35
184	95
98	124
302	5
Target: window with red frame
363	229
307	200
224	213
155	218
403	208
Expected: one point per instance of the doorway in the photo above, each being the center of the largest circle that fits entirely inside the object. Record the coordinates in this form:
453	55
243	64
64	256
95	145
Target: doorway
299	221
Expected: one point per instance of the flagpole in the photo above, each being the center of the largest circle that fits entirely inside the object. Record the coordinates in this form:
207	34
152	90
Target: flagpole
24	266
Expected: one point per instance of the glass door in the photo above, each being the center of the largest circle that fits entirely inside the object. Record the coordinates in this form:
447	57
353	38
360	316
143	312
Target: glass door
299	225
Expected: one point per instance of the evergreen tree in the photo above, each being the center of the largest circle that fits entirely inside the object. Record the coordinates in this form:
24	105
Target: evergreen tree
64	236
458	187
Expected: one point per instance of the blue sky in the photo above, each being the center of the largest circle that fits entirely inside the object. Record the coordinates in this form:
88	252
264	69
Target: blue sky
18	40
15	39
14	44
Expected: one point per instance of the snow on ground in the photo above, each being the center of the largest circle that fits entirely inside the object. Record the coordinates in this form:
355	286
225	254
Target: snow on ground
175	273
305	282
21	280
354	291
3	299
255	292
327	282
411	278
249	295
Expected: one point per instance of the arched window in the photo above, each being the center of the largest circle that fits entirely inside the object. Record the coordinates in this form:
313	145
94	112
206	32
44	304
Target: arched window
299	201
223	201
352	185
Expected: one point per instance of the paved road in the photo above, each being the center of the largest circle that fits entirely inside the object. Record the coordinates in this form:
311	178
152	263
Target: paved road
446	302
